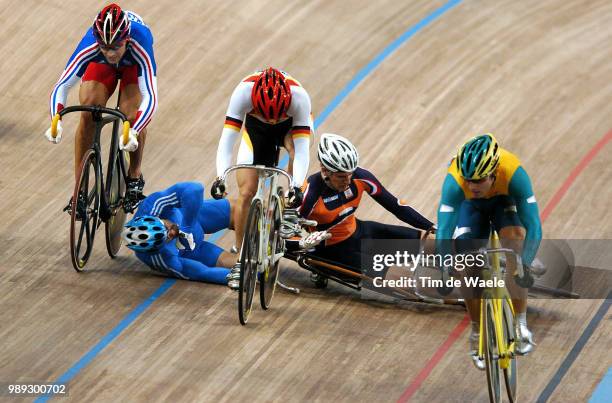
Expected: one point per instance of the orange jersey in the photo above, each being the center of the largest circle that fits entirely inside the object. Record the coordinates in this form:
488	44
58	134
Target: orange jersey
335	211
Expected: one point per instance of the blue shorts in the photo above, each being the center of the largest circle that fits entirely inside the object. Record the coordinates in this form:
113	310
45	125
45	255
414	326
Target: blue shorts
205	252
214	215
478	216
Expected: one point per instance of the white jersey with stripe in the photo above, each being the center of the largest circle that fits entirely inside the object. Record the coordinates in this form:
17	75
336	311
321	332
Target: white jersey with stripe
241	104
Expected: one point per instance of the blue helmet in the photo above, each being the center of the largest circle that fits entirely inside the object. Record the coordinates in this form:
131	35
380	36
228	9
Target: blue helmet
144	233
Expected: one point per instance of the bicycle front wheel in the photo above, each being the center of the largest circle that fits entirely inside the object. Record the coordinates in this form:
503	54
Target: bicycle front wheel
115	189
511	370
248	262
491	352
85	210
267	281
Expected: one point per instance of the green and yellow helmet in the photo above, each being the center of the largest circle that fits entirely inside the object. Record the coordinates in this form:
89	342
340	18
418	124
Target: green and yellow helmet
478	158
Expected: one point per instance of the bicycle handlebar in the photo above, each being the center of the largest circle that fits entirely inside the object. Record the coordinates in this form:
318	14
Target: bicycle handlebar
519	261
269	170
95	110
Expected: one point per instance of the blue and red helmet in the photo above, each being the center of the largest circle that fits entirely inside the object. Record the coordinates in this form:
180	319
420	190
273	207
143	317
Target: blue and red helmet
111	25
145	233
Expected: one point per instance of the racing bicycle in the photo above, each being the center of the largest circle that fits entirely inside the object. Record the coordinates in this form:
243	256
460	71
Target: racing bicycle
262	246
95	200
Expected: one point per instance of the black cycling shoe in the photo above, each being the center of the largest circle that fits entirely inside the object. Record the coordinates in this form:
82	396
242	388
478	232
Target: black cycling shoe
133	193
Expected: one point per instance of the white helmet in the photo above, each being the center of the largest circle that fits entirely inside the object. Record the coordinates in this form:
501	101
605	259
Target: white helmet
337	154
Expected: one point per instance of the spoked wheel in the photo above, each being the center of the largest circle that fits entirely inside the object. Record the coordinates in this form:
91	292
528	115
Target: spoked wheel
115	189
511	371
248	262
85	210
275	245
492	354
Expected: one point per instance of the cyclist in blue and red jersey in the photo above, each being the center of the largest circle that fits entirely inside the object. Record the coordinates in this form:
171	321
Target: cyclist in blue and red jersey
117	45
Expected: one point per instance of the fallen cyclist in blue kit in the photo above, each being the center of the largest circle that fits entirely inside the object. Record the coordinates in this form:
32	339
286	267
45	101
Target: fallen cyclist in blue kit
168	230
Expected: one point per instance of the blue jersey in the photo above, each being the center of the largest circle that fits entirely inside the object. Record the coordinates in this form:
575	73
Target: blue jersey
139	53
184	205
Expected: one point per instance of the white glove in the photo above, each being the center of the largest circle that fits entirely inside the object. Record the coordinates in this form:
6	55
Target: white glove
57	138
313	239
132	144
185	238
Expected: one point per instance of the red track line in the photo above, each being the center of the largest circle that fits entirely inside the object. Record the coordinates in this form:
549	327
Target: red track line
454	335
433	361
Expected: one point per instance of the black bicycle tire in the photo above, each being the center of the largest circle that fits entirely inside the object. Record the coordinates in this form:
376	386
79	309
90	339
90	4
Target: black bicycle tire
491	364
89	161
248	267
114	225
511	373
267	284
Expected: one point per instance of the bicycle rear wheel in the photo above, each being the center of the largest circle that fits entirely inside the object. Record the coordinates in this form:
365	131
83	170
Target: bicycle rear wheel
248	262
491	353
267	281
115	190
85	210
511	372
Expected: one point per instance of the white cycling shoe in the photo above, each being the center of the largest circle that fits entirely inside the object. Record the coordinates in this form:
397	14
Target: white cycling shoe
525	344
233	277
478	363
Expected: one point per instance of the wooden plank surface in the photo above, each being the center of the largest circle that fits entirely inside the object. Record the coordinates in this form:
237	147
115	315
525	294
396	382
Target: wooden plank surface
537	74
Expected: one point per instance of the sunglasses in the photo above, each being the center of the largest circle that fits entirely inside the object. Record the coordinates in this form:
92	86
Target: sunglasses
477	181
116	46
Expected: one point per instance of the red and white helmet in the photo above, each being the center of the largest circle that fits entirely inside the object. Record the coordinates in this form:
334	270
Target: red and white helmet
111	25
271	95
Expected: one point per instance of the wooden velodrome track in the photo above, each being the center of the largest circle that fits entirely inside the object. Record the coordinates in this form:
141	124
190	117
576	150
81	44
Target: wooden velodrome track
537	74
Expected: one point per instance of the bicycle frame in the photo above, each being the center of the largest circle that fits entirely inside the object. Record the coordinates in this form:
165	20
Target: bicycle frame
264	174
497	295
100	121
100	210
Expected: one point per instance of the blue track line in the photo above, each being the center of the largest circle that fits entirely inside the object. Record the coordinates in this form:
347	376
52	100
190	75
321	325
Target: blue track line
575	351
361	75
110	336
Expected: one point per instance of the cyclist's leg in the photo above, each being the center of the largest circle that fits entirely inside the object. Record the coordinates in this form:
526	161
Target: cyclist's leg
98	84
129	104
259	146
247	184
344	253
215	215
472	232
372	230
512	235
207	262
